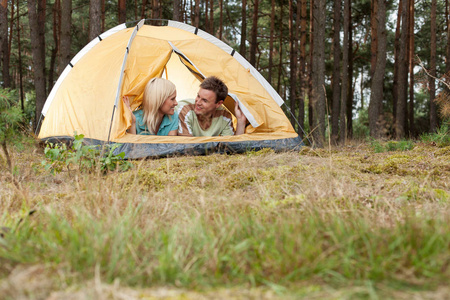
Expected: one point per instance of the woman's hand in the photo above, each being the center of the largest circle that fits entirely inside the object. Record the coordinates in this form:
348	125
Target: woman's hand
126	102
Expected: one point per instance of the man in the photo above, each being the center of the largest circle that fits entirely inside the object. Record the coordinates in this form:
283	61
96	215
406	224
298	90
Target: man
206	116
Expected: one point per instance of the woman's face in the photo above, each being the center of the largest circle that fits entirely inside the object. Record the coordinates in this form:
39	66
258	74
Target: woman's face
168	107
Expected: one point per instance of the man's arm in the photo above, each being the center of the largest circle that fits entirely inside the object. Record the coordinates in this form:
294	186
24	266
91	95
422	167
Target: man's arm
184	121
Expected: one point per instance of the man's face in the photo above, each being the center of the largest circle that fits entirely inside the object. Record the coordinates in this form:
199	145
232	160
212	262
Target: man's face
205	102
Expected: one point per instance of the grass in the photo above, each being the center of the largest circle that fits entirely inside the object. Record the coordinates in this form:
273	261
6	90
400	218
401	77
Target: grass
335	223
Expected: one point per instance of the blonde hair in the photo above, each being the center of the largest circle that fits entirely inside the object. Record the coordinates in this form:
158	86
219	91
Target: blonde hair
157	90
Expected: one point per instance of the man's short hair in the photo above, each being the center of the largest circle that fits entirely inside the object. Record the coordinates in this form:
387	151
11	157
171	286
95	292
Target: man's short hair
216	85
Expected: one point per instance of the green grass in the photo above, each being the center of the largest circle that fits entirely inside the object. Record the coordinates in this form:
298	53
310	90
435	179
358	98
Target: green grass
334	223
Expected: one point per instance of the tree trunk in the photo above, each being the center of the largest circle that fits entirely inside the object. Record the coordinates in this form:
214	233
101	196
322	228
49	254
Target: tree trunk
144	9
254	34
220	18
302	71
19	50
373	35
345	85
56	11
318	72
432	81
396	64
350	75
402	75
176	10
36	16
211	17
311	49
242	47
65	35
412	129
336	72
272	29
95	8
280	65
447	64
377	84
292	63
4	56
197	14
122	11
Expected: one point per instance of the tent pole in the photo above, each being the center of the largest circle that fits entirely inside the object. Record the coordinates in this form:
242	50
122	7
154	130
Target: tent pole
119	86
299	126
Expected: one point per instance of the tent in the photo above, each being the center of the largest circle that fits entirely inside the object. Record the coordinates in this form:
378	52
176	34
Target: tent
87	96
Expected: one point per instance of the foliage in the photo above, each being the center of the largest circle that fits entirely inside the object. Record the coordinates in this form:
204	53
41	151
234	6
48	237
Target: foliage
379	146
86	158
10	115
440	138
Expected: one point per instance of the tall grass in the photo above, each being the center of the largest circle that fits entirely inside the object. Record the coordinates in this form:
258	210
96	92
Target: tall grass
281	221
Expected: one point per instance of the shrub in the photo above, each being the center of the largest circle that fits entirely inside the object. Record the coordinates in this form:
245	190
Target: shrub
86	158
440	138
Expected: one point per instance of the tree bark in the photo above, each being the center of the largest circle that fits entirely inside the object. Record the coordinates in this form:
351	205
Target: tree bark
318	72
350	101
396	64
377	84
122	11
336	72
292	63
272	29
176	10
242	47
144	9
311	49
373	35
412	129
56	11
280	65
36	16
302	71
211	17
432	81
254	34
65	35
345	63
197	13
95	8
4	56
402	75
220	19
19	49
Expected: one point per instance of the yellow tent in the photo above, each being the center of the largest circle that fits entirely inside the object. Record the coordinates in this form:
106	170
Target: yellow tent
85	99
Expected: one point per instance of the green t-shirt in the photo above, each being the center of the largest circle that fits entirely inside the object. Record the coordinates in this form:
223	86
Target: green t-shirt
168	124
221	123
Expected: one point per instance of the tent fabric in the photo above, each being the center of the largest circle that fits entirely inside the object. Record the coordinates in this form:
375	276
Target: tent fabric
83	99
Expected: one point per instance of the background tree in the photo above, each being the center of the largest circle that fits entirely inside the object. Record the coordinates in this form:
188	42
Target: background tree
318	72
336	71
377	86
36	15
95	10
65	35
432	81
345	63
4	51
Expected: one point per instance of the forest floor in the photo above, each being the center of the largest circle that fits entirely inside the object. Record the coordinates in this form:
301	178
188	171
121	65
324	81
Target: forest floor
340	223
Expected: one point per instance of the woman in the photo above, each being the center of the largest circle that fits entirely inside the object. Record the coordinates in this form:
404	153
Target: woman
157	116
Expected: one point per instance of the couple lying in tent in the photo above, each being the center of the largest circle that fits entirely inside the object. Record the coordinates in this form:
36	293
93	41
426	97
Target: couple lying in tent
203	117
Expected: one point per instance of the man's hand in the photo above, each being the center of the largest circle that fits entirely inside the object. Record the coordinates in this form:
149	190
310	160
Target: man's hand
241	119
